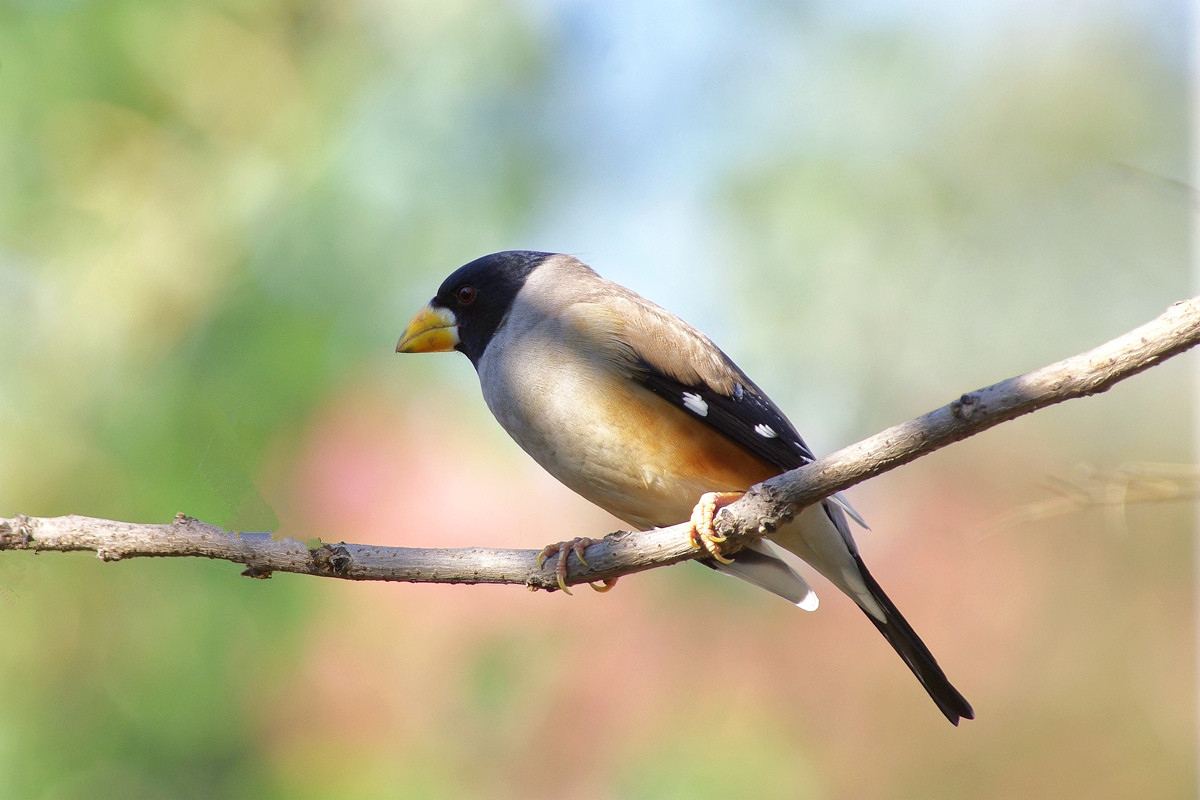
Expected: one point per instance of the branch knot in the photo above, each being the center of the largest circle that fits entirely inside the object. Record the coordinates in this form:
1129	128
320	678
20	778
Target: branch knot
967	406
333	558
18	534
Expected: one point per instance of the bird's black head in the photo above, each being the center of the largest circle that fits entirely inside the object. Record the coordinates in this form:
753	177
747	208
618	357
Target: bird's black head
471	304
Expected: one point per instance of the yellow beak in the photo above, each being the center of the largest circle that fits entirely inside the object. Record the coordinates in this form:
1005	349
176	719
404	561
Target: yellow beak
432	330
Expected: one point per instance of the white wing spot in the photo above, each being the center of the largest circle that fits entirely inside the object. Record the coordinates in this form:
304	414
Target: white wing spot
738	392
810	601
694	402
766	431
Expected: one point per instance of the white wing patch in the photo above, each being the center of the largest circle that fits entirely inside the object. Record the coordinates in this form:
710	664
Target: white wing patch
695	403
765	431
810	602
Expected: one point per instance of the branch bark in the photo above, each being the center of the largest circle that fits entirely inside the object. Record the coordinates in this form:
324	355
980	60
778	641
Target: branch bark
761	510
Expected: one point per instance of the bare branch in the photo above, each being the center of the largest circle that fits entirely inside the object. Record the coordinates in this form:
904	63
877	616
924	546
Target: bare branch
763	508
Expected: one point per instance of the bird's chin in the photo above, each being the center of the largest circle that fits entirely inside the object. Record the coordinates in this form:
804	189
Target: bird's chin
432	330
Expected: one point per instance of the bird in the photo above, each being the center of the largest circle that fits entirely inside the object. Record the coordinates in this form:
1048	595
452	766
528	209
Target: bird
643	415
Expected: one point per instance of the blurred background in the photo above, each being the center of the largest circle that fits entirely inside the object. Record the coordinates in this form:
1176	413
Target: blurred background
215	219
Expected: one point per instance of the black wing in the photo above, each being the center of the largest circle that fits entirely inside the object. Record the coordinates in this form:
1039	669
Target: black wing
746	415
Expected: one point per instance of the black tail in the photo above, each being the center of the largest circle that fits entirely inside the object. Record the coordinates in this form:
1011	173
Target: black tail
904	639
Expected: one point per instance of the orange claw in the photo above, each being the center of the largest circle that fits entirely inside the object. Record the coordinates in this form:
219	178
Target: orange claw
703	533
578	546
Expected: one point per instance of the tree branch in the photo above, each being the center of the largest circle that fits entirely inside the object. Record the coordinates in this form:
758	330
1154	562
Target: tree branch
763	508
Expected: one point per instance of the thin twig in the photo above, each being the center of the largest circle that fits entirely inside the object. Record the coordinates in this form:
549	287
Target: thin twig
764	507
1113	489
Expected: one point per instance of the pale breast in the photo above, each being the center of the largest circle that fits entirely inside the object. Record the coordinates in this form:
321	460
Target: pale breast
618	445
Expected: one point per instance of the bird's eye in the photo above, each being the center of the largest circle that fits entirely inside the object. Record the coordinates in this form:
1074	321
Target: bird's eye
465	295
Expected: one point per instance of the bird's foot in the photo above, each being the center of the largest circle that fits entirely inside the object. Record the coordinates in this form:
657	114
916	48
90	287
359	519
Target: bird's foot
703	533
563	550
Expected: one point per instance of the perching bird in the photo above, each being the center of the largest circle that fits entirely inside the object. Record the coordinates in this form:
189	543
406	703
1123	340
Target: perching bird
643	415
